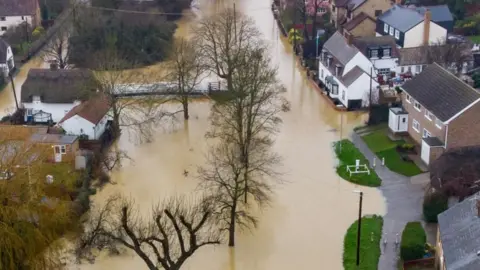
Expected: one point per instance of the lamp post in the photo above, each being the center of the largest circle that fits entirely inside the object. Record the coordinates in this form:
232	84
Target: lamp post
316	46
359	224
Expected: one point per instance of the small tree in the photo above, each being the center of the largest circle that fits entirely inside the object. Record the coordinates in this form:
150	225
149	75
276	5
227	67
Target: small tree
413	242
187	71
58	48
174	232
452	56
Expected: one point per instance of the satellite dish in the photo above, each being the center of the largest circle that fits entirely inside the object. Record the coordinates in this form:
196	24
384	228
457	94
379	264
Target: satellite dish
49	179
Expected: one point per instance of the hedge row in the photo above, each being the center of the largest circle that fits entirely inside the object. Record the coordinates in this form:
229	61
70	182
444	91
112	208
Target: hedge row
413	242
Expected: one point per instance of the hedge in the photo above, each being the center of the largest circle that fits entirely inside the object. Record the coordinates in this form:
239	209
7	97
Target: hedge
413	242
433	205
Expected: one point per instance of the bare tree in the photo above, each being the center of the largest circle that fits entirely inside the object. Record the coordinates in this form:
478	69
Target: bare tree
127	90
223	40
58	48
251	117
187	71
174	232
223	179
452	56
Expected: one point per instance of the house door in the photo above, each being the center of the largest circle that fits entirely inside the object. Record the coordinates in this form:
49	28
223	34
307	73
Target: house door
57	153
425	152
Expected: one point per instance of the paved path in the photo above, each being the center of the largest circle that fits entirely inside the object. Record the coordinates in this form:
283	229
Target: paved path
404	204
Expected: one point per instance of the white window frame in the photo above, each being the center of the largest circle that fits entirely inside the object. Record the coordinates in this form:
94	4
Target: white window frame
417	124
388	54
391	31
343	94
418	69
426	133
408	98
385	28
397	34
437	125
376	53
384	71
417	106
63	149
428	115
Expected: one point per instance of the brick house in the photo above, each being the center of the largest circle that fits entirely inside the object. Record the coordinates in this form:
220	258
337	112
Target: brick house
360	26
15	12
345	10
63	148
440	112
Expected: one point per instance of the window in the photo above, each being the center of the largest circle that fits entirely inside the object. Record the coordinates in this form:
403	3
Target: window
3	28
386	52
426	133
321	73
428	115
3	19
23	18
373	53
385	28
378	12
36	99
81	131
409	69
321	10
417	106
397	34
334	89
384	71
63	149
402	69
391	31
29	112
418	69
333	8
408	98
343	94
416	125
438	123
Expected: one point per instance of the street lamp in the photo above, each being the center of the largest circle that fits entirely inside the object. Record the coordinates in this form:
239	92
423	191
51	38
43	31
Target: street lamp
359	224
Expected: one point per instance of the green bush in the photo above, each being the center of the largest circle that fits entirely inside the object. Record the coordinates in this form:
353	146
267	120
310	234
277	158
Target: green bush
433	205
413	242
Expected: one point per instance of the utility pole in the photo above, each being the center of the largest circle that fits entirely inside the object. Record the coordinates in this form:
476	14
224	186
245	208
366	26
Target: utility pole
370	97
359	227
13	89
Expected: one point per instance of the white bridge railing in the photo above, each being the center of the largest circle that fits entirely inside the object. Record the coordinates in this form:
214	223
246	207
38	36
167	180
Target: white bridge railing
165	88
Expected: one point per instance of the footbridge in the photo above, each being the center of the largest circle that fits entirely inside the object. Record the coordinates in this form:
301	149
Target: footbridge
167	89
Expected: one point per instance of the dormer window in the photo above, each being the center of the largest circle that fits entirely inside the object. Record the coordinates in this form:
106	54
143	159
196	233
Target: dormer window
397	34
329	60
391	31
338	69
373	53
385	28
386	52
36	98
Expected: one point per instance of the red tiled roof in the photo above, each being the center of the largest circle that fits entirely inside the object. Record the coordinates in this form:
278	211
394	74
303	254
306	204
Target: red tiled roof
92	110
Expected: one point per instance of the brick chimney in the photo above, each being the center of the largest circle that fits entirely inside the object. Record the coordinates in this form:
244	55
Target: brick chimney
349	38
426	26
478	208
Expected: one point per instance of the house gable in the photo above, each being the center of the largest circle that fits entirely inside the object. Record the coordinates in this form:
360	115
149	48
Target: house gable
464	129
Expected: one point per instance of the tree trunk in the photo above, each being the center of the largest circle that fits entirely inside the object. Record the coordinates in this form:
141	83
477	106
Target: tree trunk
185	107
231	228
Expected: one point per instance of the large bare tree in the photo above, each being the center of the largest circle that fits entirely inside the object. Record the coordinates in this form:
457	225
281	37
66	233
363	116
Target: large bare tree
452	56
57	49
165	240
187	71
118	82
223	40
251	117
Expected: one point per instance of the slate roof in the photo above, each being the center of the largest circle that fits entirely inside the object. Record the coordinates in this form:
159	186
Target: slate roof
3	51
18	7
404	18
363	43
459	229
440	92
58	86
338	47
53	138
352	76
351	4
92	110
356	21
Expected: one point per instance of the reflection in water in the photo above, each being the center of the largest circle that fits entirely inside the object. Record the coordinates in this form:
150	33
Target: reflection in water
309	214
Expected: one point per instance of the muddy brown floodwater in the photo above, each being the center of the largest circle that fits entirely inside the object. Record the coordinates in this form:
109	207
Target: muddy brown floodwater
310	213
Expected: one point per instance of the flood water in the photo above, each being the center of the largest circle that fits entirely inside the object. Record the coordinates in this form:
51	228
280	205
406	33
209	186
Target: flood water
310	213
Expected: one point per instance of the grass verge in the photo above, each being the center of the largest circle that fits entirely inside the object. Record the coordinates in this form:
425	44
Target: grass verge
474	39
347	153
371	233
383	147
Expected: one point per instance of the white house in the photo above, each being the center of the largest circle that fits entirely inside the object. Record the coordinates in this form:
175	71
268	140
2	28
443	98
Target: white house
48	95
88	118
414	27
349	66
15	12
6	58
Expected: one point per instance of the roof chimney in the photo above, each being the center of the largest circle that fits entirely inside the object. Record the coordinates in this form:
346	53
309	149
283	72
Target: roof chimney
426	26
478	208
349	38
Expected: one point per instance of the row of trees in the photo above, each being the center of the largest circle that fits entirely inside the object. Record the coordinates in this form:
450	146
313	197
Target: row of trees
241	168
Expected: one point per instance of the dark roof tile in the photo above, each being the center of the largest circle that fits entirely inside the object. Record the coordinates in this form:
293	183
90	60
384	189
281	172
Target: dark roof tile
363	43
440	92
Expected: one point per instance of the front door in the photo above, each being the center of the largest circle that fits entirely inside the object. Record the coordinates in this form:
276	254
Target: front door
425	152
57	153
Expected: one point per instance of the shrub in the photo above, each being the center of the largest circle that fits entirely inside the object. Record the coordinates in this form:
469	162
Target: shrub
433	205
413	242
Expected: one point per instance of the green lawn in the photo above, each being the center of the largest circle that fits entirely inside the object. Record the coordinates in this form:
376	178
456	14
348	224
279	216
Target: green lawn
369	250
383	147
475	39
347	153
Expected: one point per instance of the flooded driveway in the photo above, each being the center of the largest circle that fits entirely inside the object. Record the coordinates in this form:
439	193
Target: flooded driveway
309	215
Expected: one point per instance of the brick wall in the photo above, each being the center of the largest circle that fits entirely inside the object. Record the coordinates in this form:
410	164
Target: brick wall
414	114
435	152
370	6
465	130
364	29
